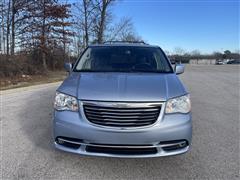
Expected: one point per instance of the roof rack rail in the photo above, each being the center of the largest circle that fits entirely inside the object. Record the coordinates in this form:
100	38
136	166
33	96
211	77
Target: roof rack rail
133	42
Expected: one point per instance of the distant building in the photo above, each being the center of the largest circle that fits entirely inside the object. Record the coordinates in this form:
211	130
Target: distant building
202	61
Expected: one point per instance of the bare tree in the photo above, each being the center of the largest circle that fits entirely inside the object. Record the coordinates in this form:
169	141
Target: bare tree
217	55
85	18
227	54
179	51
123	31
96	25
59	27
102	14
46	28
10	11
41	27
195	53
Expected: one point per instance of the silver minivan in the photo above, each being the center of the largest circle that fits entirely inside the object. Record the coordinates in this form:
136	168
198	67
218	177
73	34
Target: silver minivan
123	100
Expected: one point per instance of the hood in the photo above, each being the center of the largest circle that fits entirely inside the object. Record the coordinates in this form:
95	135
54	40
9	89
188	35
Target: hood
123	86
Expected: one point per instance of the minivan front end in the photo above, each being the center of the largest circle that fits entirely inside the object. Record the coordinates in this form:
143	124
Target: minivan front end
123	129
123	101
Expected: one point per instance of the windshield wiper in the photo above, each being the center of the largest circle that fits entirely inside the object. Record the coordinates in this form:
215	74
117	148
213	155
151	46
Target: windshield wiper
129	71
147	71
83	70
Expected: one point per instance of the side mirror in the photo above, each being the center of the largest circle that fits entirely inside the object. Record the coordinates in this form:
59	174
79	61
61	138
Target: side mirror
68	67
179	69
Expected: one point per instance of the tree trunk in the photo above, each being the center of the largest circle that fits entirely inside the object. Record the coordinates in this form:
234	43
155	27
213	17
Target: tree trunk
8	27
1	29
102	22
3	34
43	39
13	27
44	61
64	42
85	23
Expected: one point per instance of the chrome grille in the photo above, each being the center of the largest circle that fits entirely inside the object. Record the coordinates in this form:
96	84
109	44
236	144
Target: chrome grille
122	114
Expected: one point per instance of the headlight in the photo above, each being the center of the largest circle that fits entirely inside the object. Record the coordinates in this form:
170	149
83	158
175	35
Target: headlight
65	102
178	105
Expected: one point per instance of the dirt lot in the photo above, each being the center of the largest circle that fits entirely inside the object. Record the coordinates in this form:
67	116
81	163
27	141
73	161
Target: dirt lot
26	129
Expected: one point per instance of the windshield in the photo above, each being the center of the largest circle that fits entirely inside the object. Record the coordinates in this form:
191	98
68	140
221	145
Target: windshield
123	59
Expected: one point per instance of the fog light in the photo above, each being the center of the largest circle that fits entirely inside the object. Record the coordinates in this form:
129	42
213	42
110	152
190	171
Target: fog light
59	141
174	145
183	144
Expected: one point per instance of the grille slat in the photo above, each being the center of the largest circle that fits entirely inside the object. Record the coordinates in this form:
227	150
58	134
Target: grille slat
122	120
122	113
120	109
121	116
117	124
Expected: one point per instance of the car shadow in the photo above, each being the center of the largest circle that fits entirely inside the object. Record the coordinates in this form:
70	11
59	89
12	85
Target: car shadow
36	123
36	118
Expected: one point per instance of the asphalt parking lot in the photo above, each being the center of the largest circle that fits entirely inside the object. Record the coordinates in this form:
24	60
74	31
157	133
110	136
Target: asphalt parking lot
26	128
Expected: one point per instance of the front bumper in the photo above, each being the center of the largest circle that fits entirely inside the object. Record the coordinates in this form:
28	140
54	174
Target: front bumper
168	129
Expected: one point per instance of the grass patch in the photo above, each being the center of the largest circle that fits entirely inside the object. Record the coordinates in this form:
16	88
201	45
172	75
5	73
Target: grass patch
29	80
